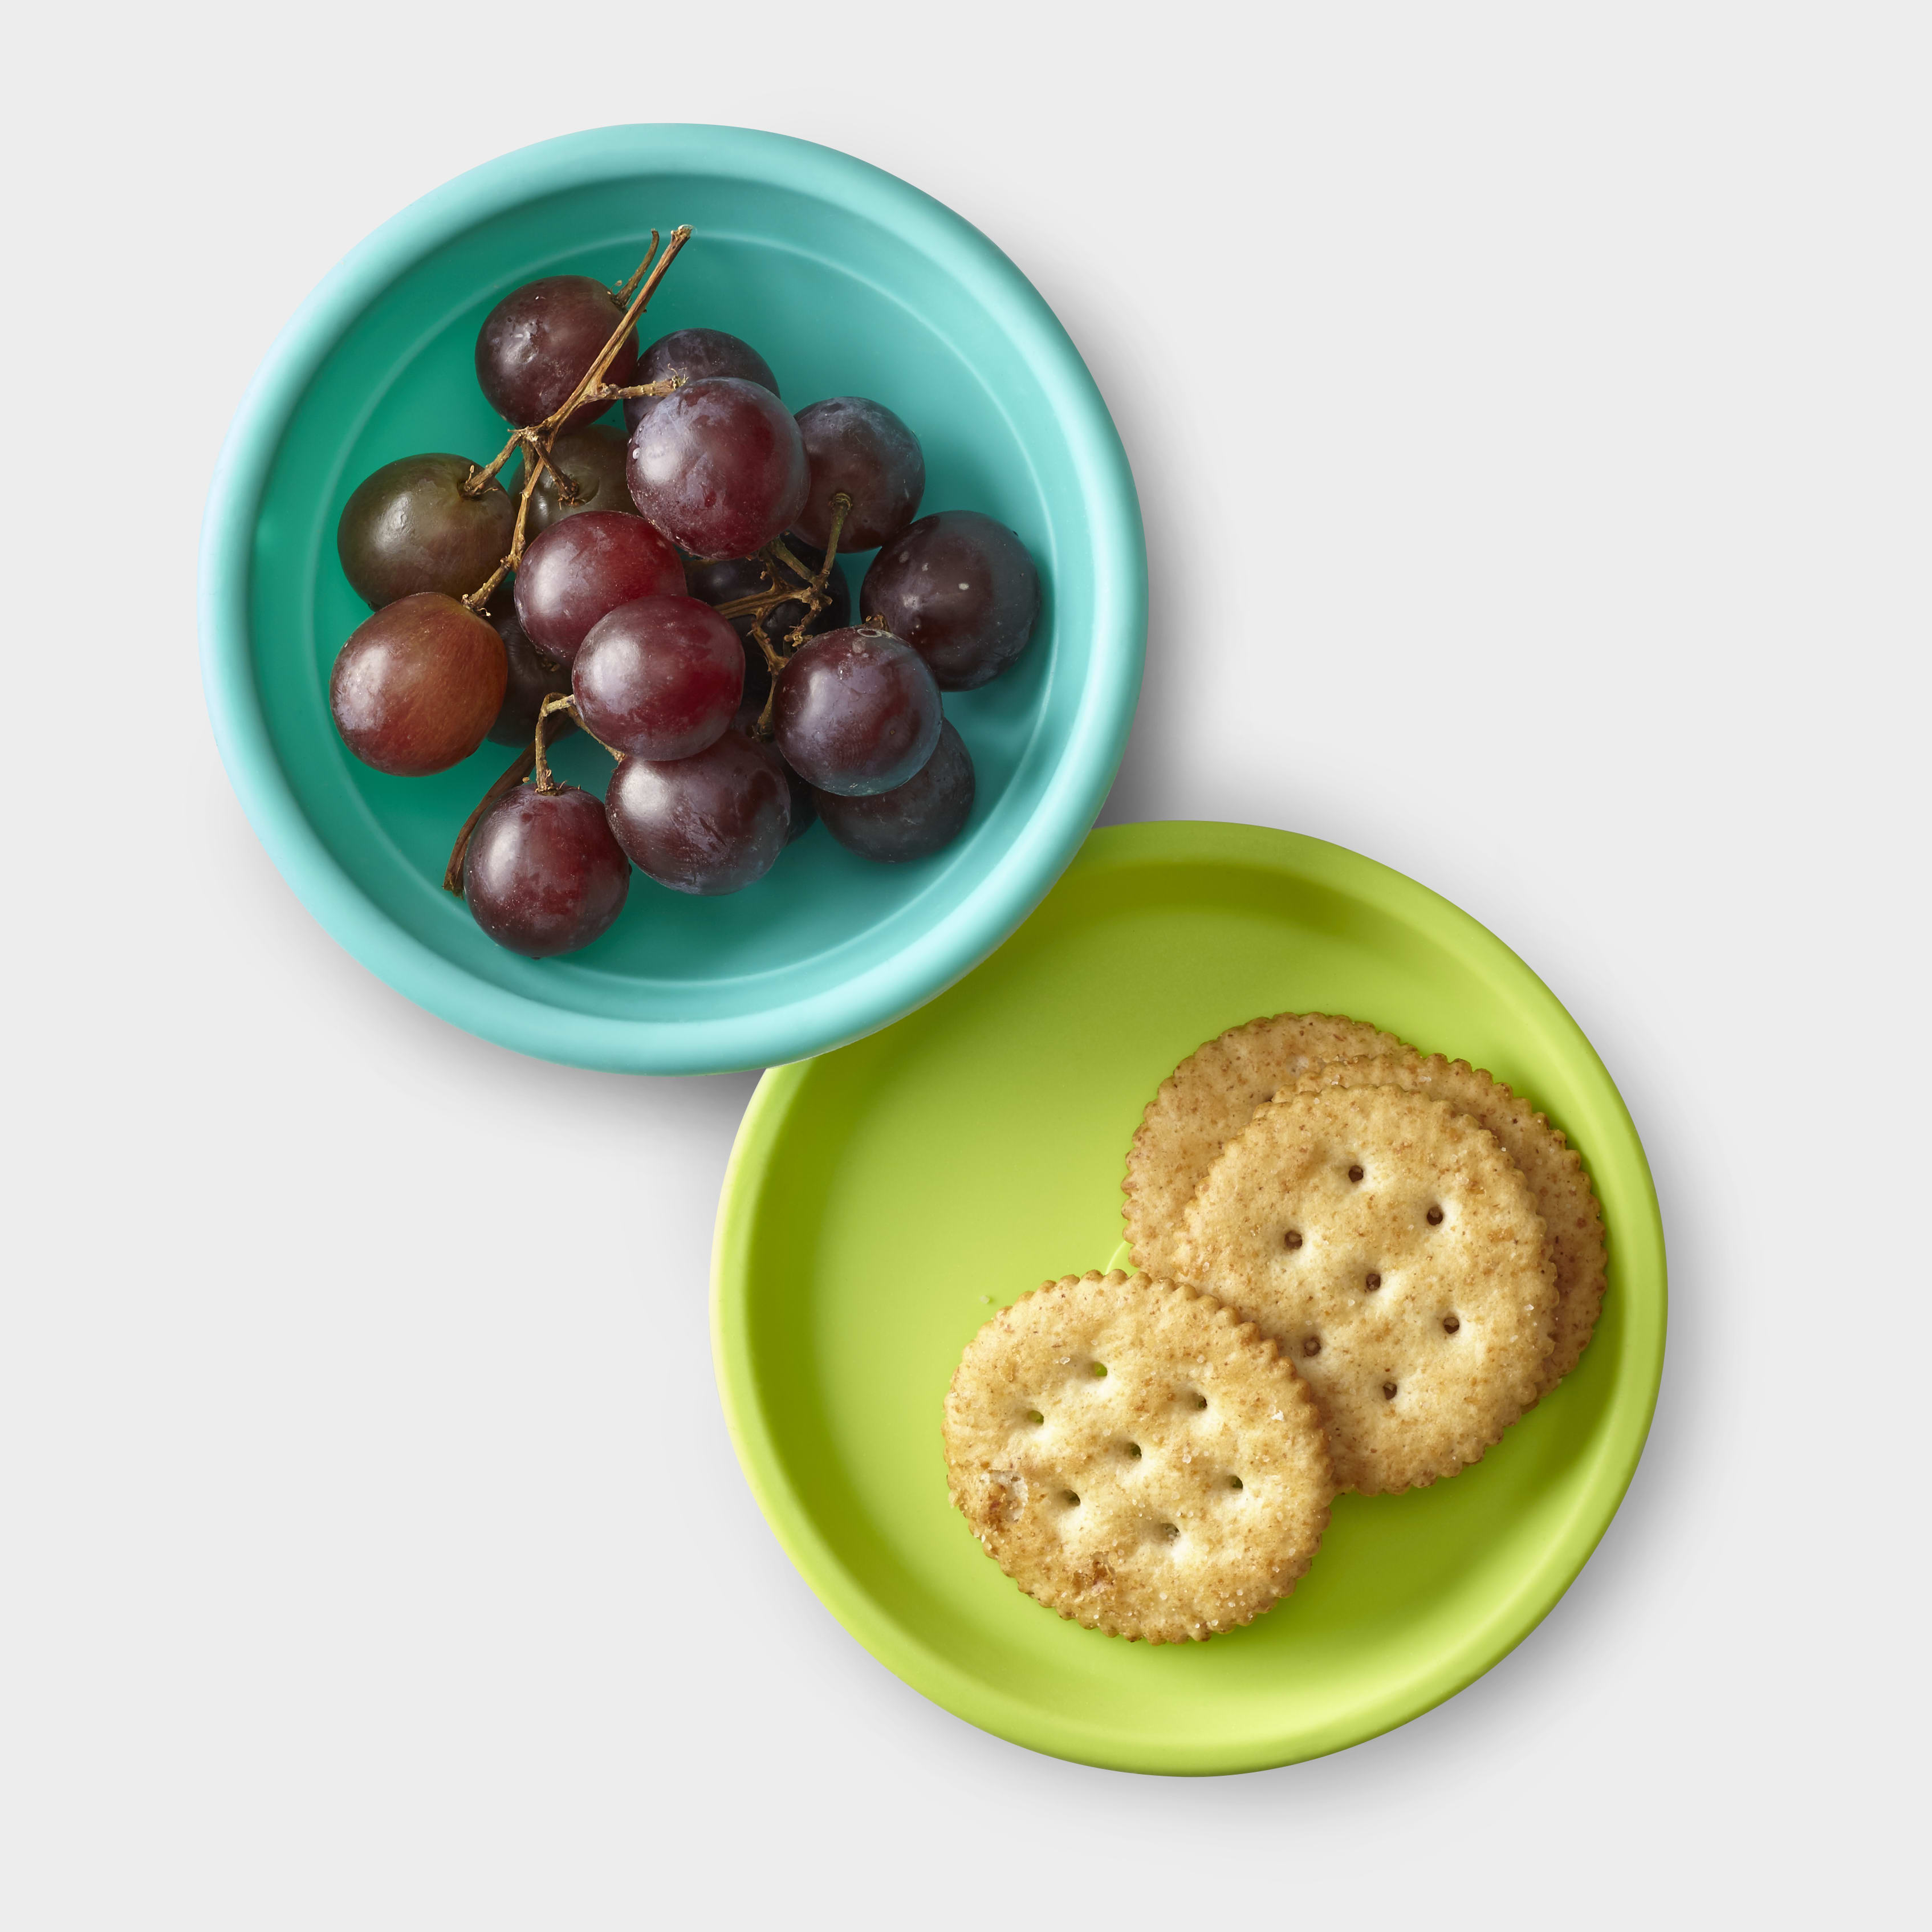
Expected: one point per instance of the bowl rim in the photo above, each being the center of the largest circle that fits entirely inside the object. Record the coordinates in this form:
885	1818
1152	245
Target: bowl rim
941	953
974	1695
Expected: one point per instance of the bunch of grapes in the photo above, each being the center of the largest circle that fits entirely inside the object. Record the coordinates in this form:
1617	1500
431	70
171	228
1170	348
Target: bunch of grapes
671	588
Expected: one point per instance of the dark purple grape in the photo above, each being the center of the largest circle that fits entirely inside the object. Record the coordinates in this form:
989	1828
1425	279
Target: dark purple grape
418	685
863	449
658	678
858	712
757	689
719	467
929	811
536	343
804	804
593	460
962	590
695	354
532	678
543	875
410	527
710	824
582	568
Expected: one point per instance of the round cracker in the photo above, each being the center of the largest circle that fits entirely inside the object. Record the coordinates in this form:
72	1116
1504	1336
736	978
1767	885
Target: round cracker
1572	1225
1208	1099
1421	1341
1134	1456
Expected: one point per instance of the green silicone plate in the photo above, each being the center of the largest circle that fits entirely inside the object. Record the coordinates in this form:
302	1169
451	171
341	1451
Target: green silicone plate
879	1196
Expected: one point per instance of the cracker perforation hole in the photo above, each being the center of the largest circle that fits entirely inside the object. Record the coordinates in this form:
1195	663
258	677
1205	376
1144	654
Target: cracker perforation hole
1372	1281
1071	1498
1388	1391
1235	1483
1097	1368
1355	1170
1451	1323
1292	1239
1171	1532
1434	1217
1133	1452
1312	1346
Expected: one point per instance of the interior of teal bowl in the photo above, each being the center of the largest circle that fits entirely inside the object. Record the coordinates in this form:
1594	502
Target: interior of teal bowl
847	282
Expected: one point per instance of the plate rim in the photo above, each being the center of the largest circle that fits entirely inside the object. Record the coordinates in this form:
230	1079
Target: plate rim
1095	741
920	1665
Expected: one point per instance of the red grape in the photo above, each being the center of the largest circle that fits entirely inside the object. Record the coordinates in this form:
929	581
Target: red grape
410	527
658	678
695	354
536	343
532	678
962	590
719	467
929	811
858	712
543	875
593	460
710	824
418	685
582	568
863	449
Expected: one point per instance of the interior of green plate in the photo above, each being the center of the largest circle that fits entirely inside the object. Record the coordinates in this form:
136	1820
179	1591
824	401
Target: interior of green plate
848	282
884	1197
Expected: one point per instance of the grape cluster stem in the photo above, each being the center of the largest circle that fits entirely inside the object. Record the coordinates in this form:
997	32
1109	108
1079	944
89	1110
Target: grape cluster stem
810	591
777	556
536	438
519	770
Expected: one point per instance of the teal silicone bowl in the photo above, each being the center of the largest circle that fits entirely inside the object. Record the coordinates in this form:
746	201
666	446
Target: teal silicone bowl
849	281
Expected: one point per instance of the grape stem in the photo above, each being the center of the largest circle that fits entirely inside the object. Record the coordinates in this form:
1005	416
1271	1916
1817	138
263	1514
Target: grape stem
621	295
761	603
666	385
593	376
809	590
519	770
558	701
538	438
763	729
841	509
817	597
532	758
539	462
473	483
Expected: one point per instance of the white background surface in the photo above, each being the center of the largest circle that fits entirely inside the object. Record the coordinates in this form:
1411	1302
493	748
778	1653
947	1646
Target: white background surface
1530	410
